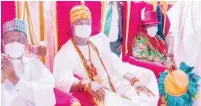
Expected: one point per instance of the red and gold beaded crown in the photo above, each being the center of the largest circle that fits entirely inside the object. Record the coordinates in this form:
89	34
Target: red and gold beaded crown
79	12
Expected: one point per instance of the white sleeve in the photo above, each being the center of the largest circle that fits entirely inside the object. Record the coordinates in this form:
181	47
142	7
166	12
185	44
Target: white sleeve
63	72
111	59
25	89
39	92
123	67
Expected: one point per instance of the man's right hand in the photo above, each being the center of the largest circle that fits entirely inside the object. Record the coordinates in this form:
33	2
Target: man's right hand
38	50
140	88
7	69
97	91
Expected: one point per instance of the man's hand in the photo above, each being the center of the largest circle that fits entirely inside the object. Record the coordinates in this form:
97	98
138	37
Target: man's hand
8	69
97	91
38	50
140	88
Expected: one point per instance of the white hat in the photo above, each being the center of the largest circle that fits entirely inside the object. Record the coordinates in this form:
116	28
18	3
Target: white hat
14	25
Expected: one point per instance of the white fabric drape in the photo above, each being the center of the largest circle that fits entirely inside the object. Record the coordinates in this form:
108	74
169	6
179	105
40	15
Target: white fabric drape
185	19
35	87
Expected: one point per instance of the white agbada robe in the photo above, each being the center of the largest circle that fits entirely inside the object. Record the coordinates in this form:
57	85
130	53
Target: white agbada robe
68	63
35	86
185	19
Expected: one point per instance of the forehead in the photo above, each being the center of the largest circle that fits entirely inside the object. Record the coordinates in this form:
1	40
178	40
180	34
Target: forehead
81	21
14	34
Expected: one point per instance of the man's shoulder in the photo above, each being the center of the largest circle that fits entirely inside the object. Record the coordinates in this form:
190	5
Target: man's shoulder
67	53
139	36
99	37
101	41
66	48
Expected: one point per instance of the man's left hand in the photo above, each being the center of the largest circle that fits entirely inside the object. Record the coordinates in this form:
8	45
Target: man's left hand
140	88
8	69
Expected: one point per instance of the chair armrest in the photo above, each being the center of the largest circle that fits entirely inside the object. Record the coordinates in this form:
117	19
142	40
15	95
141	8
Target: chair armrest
84	98
156	68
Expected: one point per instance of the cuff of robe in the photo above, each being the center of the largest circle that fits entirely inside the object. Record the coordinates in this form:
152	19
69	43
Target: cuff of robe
21	85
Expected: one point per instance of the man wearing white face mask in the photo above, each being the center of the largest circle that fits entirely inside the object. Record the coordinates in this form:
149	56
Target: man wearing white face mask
86	64
147	45
24	81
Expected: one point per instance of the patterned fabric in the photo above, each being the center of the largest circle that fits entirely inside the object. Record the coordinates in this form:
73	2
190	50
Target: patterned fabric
14	24
78	12
144	50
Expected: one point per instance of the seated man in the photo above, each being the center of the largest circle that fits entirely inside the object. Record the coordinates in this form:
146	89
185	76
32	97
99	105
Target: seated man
87	64
24	81
147	45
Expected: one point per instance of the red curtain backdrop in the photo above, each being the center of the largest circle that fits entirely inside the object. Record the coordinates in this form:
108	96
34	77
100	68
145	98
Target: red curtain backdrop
7	13
63	23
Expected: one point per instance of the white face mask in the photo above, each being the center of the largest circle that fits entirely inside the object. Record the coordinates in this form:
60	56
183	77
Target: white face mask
83	31
151	31
14	50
